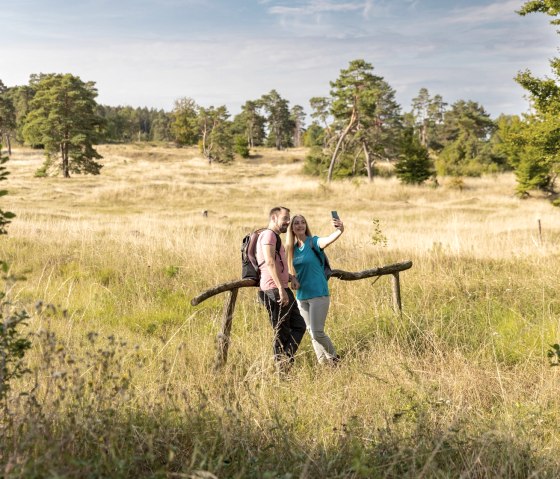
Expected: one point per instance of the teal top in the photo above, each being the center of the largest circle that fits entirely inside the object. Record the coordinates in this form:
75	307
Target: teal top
309	271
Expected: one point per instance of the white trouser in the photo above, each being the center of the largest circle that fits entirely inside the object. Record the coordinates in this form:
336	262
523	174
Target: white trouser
314	312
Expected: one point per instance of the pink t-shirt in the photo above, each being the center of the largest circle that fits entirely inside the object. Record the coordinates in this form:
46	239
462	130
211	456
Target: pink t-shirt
268	237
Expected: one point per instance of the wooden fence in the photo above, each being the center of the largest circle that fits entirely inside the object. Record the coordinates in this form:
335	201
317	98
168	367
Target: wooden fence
233	288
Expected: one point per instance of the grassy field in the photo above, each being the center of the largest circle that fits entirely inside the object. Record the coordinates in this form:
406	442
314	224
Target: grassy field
122	381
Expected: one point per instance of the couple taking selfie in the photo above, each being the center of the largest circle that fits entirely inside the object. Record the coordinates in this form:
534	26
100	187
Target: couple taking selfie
301	264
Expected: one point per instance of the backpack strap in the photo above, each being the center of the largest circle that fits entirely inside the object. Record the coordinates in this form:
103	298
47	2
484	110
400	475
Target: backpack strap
277	249
319	257
324	260
278	245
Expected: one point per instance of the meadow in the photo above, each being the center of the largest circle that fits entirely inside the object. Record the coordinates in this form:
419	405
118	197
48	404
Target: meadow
121	380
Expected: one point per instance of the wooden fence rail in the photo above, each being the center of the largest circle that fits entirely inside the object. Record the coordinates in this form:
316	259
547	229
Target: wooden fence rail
233	288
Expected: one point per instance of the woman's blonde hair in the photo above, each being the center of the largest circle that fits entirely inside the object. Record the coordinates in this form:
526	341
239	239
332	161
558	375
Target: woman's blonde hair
291	242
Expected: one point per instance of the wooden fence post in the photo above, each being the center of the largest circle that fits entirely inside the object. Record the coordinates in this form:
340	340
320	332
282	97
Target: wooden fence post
396	283
224	334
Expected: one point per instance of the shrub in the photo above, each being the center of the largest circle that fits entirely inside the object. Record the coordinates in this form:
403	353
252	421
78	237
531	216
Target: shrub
316	162
415	165
12	344
241	146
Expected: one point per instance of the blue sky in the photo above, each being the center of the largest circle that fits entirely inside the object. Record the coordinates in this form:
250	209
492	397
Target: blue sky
151	52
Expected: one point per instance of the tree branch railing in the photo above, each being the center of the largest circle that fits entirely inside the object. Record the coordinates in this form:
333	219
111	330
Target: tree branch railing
233	288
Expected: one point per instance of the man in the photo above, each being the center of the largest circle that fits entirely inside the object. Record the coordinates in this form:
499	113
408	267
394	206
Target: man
289	326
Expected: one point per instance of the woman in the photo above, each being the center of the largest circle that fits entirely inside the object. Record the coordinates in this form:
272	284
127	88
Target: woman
305	261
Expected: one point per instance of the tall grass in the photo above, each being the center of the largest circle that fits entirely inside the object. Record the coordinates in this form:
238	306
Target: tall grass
122	381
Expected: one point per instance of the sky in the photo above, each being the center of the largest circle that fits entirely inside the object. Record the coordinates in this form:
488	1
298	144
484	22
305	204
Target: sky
225	52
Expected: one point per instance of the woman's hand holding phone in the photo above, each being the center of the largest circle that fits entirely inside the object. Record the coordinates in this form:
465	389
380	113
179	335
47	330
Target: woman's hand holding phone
336	221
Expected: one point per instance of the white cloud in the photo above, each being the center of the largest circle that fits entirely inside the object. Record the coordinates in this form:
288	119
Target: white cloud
317	7
499	11
156	73
368	8
471	60
324	18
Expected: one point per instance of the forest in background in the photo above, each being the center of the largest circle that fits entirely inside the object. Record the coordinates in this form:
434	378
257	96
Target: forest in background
359	125
361	120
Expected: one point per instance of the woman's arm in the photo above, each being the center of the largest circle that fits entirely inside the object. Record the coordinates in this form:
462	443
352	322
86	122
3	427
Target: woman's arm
325	241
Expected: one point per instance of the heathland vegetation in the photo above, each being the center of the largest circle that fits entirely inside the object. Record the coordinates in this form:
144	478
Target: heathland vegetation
121	379
106	369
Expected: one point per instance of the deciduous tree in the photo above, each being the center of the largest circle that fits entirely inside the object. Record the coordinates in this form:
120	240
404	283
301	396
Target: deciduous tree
550	7
216	140
184	123
505	142
539	163
161	126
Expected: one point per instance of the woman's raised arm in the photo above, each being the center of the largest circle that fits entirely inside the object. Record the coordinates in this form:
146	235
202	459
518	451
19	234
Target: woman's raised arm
325	241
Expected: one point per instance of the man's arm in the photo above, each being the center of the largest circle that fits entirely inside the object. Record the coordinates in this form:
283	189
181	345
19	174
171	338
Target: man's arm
269	252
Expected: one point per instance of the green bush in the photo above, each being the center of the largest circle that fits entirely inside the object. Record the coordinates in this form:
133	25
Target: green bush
12	344
415	165
241	146
316	162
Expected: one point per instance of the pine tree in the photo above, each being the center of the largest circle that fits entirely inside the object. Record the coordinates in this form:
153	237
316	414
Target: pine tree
464	134
297	116
367	118
241	146
280	125
250	124
415	165
63	120
427	114
184	125
7	117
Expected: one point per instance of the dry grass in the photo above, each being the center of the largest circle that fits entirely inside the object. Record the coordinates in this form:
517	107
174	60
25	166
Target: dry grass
458	386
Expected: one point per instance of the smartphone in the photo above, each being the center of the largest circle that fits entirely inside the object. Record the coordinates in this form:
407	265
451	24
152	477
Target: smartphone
334	214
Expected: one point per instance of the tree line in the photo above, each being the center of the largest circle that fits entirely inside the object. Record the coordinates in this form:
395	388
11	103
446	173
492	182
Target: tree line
357	126
59	113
